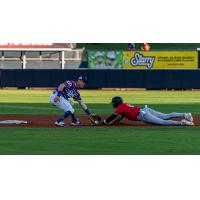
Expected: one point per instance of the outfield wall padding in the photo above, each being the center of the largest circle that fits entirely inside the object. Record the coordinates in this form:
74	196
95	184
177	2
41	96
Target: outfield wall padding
150	79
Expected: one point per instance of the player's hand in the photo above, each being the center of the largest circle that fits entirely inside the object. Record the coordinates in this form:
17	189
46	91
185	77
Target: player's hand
92	115
56	99
95	119
103	122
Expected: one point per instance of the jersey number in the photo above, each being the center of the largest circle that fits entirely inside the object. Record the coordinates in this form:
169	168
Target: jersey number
69	83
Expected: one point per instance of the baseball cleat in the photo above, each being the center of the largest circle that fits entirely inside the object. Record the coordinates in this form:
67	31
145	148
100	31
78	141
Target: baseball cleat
60	124
188	117
77	123
186	123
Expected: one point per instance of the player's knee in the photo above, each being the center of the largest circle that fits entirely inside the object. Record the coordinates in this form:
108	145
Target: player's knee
72	110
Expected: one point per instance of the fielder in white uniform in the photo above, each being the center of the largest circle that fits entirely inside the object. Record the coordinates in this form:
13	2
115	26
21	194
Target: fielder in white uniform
60	98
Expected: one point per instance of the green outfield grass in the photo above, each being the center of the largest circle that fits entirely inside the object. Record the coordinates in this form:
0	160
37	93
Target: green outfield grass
164	140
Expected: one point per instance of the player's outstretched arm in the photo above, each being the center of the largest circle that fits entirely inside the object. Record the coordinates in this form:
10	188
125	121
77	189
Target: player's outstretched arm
82	104
84	107
112	119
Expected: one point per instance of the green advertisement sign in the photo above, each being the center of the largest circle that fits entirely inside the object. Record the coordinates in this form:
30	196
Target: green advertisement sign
105	59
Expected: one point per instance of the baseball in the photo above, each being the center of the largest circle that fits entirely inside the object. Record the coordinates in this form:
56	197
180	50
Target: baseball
96	122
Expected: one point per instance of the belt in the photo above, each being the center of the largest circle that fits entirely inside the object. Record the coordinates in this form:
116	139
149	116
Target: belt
142	111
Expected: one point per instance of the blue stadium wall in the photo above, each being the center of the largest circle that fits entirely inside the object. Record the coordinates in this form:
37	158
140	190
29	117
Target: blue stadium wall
150	79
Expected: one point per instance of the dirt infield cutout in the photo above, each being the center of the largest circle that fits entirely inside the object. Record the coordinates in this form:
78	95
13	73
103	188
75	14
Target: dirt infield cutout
46	121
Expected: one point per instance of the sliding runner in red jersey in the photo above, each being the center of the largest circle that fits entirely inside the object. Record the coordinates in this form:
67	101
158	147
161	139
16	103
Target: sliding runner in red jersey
148	115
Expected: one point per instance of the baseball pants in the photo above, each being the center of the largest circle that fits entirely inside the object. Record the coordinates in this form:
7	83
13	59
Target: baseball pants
151	116
63	104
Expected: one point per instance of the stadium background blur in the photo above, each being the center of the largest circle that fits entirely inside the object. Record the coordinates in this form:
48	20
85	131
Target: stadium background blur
75	55
107	65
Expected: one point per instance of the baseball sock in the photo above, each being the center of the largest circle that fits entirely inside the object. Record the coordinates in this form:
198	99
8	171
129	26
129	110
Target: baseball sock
74	120
67	114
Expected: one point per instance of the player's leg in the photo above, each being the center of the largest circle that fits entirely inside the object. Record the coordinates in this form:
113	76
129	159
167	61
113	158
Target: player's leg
164	115
148	117
187	116
75	121
60	121
64	105
67	107
67	104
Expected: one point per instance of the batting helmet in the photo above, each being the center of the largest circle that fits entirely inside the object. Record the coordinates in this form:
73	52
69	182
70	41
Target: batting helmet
116	101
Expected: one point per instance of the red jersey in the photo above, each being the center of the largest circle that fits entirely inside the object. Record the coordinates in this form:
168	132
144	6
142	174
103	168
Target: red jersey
128	111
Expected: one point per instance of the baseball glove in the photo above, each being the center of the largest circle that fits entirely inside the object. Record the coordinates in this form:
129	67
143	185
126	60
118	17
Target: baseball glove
95	119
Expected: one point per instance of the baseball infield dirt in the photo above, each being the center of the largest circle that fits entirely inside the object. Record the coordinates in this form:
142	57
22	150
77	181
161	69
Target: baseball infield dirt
46	121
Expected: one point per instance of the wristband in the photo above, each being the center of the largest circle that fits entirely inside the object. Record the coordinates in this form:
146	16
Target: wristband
87	112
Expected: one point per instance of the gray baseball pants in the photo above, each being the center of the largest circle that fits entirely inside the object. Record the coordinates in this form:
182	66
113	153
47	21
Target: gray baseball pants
151	116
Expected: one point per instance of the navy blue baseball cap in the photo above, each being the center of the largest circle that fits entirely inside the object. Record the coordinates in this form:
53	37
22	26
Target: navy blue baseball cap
83	78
